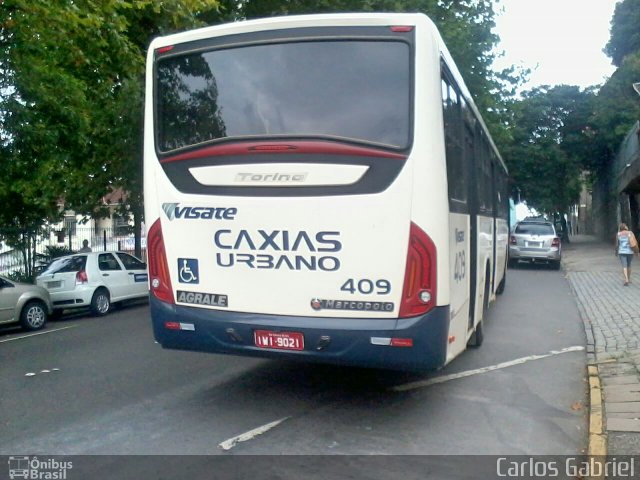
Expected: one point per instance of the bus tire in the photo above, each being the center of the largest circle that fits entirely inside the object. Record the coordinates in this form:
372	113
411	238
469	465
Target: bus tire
502	284
100	302
477	337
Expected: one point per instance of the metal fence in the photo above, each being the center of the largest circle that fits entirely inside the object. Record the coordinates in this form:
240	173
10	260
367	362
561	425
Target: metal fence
53	242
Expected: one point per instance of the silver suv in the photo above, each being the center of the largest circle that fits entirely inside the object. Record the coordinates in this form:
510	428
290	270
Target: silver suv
535	241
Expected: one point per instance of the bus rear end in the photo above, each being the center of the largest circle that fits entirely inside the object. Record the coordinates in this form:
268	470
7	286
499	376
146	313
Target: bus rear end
279	195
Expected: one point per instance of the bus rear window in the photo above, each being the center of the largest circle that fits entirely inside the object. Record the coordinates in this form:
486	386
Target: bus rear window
347	89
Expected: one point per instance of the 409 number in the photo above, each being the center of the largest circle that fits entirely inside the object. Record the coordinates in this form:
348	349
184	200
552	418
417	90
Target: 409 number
460	268
366	286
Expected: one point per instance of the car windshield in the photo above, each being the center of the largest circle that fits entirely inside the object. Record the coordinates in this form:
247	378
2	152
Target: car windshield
66	264
534	229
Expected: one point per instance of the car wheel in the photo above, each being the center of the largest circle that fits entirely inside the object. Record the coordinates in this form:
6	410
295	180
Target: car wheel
556	265
100	302
513	263
33	315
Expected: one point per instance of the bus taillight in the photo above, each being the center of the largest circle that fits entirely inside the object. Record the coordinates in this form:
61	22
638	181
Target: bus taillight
402	28
419	291
159	278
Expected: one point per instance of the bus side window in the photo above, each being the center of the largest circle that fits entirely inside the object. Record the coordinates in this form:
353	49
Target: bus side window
452	104
483	172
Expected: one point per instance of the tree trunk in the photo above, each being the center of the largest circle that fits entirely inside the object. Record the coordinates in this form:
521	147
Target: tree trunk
565	230
137	226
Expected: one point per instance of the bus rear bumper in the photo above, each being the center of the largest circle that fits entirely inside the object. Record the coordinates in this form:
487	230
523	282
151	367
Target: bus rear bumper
358	342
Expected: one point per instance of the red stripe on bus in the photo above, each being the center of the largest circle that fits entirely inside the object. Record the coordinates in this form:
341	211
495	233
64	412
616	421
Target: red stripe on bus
258	148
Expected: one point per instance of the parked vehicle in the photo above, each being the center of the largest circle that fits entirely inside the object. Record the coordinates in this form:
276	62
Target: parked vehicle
30	305
95	280
535	241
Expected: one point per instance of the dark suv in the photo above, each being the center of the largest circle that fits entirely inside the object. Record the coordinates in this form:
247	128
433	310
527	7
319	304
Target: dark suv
535	241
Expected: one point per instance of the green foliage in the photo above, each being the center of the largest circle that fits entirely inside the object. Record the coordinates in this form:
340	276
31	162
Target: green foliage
55	251
616	109
71	90
625	31
560	132
21	277
548	127
76	88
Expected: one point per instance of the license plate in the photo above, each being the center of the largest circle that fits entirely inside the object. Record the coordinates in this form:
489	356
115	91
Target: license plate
56	284
278	340
534	244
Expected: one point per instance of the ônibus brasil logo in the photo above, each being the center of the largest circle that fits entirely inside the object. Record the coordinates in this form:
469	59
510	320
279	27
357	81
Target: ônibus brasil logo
35	468
175	211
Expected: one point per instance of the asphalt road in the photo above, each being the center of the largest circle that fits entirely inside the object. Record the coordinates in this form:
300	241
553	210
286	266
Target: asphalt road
95	386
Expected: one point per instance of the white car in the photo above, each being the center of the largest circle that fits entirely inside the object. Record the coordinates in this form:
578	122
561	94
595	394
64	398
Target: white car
95	280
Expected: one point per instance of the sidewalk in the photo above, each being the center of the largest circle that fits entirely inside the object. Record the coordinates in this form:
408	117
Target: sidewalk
611	316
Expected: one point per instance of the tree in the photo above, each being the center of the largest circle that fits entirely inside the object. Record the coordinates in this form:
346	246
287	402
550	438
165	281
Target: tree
549	127
625	31
617	106
71	100
616	109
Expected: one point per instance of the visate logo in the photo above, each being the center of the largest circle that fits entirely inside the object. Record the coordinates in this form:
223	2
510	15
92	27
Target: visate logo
175	211
169	210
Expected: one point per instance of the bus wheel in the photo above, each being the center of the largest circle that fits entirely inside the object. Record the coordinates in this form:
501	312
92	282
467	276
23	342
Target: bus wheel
502	284
477	337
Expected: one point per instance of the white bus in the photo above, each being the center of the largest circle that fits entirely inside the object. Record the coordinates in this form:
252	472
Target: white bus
320	188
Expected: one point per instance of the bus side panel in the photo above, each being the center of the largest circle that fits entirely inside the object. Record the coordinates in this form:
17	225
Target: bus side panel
430	203
459	256
484	265
502	240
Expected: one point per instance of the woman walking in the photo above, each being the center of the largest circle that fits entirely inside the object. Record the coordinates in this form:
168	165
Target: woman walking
626	247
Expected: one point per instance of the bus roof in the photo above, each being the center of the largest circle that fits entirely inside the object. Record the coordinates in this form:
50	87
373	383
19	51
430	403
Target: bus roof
299	21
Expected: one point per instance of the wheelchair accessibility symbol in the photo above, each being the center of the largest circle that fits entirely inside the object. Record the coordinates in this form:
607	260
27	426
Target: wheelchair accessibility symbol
188	270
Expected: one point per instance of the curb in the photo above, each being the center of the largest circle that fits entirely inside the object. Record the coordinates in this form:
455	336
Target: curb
597	448
597	436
